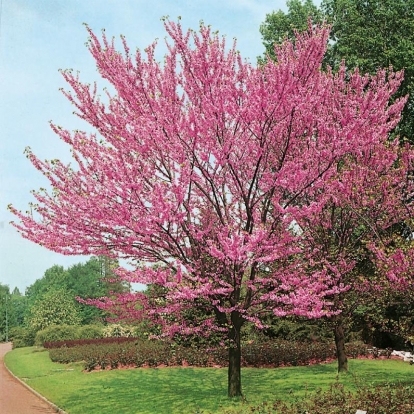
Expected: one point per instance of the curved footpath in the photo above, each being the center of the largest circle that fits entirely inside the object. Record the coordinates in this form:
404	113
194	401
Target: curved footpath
15	396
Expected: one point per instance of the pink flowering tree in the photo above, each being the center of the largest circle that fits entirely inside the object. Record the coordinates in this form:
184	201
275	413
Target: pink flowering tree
197	171
364	230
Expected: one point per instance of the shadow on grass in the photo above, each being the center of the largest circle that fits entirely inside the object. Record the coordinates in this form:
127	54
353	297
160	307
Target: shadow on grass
171	390
187	390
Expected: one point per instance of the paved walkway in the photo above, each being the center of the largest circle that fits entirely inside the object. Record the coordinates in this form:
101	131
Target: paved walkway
15	398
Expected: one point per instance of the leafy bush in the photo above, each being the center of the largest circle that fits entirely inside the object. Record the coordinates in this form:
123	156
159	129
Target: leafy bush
21	337
55	307
382	399
61	335
56	333
117	330
295	329
356	349
90	332
279	353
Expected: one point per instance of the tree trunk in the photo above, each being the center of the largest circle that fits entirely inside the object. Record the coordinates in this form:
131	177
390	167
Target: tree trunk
340	346
234	372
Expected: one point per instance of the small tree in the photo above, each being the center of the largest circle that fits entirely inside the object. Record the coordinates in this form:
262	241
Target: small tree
200	167
368	35
55	307
354	227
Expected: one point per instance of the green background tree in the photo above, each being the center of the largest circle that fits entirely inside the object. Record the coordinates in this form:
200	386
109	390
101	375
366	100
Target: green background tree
279	25
368	34
375	34
92	279
12	310
55	307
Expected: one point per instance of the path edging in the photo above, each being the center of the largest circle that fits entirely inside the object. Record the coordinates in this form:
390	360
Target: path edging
52	405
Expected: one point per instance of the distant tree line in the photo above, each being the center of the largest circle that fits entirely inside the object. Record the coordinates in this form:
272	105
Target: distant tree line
52	299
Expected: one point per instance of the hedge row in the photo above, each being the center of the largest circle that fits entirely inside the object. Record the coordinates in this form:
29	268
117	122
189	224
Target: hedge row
141	353
26	336
138	353
67	333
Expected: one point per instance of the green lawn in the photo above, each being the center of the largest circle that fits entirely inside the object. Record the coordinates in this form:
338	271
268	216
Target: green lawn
185	390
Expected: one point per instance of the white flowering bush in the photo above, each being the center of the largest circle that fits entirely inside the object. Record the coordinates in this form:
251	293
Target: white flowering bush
117	330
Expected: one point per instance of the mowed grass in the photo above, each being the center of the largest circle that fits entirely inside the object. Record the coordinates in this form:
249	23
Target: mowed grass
186	390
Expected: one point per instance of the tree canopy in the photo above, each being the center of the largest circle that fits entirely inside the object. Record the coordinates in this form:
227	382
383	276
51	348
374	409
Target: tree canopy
92	279
205	172
12	310
370	35
279	26
55	307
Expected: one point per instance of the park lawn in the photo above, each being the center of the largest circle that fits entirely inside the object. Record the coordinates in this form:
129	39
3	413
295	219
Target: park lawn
185	390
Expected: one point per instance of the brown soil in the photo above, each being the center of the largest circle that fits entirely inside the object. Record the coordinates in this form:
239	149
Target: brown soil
15	398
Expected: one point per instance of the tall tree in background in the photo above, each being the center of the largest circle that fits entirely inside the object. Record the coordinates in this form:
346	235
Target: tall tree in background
376	34
12	310
55	307
4	311
369	34
279	26
18	307
54	278
109	277
201	166
92	279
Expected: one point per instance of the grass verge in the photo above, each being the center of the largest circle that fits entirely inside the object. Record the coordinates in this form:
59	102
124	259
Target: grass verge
186	390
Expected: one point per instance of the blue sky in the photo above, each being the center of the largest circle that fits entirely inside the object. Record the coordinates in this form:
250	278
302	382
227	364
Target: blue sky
38	37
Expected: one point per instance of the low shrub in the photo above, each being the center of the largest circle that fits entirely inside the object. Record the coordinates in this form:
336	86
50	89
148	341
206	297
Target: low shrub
56	333
298	330
93	341
382	399
280	353
90	332
356	349
113	352
62	335
117	330
22	337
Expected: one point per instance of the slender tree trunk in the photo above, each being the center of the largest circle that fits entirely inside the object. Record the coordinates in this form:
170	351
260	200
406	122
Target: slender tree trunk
234	372
340	346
